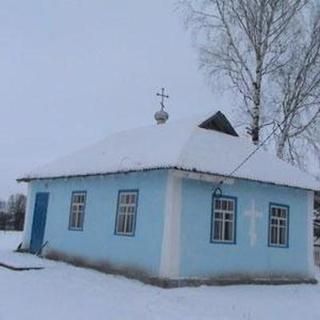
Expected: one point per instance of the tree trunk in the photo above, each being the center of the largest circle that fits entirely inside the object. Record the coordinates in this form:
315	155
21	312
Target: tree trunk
256	111
255	127
282	141
280	148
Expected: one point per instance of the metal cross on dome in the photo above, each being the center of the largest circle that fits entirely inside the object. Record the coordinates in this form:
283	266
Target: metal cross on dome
163	96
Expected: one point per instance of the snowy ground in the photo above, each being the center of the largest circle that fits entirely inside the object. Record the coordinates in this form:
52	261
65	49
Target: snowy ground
63	292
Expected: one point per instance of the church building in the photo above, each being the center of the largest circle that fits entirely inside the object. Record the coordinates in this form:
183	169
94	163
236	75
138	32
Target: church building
169	203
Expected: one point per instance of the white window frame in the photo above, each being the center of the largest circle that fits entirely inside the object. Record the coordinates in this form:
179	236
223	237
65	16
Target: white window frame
278	223
77	210
128	210
223	220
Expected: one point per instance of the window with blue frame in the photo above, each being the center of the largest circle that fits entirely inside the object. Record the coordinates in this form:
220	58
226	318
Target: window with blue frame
126	213
77	210
278	225
223	220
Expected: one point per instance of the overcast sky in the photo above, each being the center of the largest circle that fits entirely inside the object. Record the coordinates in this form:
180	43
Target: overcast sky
73	71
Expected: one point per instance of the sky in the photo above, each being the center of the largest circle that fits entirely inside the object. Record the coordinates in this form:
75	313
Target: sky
74	71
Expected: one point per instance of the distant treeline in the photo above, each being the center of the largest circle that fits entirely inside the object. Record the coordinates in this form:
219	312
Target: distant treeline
12	213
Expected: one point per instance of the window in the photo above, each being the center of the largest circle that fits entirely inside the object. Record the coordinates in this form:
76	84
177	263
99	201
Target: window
126	213
223	220
78	204
278	225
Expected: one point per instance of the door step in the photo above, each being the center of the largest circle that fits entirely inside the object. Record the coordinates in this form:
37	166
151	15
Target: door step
13	268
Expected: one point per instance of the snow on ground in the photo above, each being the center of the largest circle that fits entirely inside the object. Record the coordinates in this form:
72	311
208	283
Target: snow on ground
61	291
9	242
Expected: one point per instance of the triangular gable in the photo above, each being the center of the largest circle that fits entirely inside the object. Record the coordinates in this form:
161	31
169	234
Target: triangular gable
219	122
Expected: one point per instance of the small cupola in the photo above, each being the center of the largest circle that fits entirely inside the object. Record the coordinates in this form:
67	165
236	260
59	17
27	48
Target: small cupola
162	116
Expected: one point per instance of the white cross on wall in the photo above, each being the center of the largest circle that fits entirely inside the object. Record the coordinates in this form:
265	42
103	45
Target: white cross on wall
253	215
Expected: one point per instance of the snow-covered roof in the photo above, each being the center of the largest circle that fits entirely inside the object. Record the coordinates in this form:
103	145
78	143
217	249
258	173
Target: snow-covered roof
183	145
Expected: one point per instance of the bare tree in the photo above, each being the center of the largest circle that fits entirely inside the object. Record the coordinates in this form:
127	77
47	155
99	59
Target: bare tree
297	96
316	218
246	40
17	209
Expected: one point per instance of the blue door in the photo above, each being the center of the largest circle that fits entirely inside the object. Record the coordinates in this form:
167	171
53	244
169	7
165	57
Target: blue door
39	221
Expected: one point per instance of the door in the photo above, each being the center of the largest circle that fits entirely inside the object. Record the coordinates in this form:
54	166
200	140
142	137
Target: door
39	221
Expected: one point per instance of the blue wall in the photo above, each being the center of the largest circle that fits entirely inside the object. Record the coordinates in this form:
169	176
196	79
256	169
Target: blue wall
97	241
199	257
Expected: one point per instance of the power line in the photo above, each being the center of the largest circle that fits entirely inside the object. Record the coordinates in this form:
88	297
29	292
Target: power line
250	155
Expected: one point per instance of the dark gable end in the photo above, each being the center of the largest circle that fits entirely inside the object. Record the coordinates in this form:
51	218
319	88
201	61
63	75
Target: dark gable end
219	122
